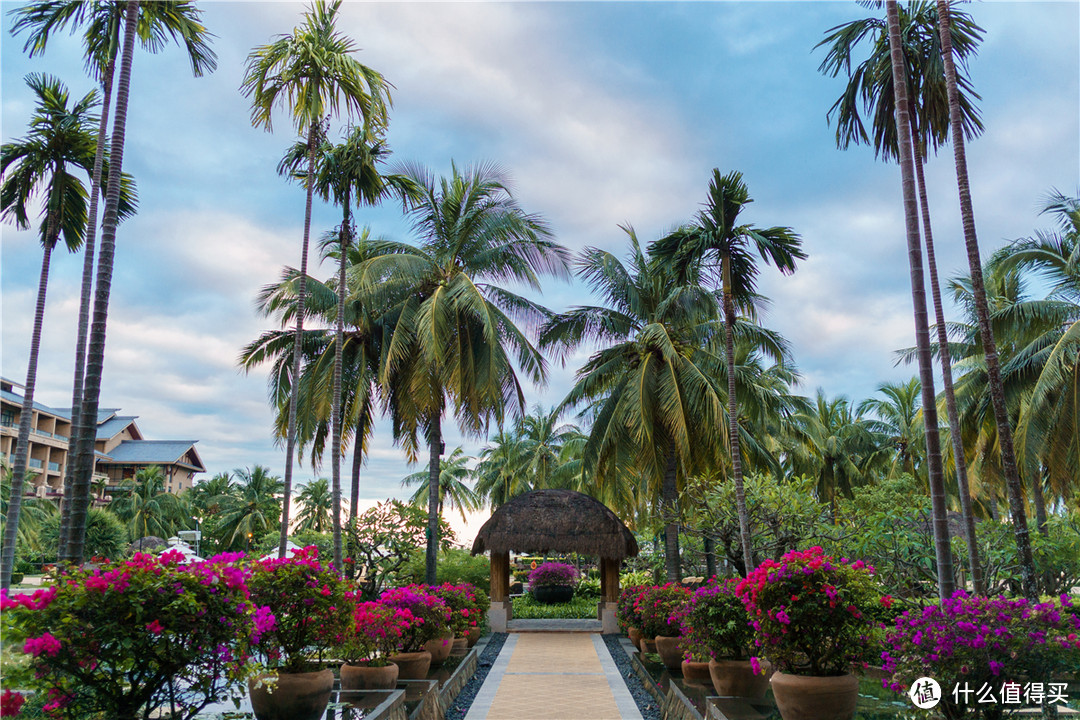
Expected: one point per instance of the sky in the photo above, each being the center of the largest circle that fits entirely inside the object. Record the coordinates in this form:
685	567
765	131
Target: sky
601	113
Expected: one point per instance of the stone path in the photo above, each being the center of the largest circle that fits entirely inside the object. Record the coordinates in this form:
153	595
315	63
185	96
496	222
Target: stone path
554	676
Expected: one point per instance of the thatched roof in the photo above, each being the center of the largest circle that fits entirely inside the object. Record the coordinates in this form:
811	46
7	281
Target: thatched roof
559	521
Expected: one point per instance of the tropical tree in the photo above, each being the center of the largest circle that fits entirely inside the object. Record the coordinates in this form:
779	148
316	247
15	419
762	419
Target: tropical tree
898	420
34	514
43	167
317	504
312	71
993	366
660	409
143	504
723	251
870	85
454	491
159	22
498	479
452	333
206	496
252	510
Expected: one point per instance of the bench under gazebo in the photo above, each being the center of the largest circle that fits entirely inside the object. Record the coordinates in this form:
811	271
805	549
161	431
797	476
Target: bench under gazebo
554	521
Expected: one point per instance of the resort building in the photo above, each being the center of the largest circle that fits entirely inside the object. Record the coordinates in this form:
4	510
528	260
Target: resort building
120	449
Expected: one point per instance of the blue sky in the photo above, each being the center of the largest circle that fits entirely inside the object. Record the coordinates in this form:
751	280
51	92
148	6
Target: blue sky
603	113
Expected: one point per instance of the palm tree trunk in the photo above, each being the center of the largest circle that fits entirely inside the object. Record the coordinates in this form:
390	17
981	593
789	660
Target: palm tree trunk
435	449
77	424
357	461
993	367
733	418
935	474
294	390
26	415
669	511
946	380
339	339
710	555
95	362
1039	501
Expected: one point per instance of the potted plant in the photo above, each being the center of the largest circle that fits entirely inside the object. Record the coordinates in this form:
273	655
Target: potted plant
553	582
309	606
969	642
432	620
373	635
661	610
814	620
464	606
627	615
128	637
717	628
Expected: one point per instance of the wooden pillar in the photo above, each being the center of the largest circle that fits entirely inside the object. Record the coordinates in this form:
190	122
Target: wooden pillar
609	579
500	577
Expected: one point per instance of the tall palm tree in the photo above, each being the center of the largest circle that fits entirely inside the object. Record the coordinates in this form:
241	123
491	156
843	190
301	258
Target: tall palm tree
541	441
724	251
935	472
454	330
313	72
870	85
498	479
43	166
317	505
253	510
898	420
147	508
660	408
454	473
993	367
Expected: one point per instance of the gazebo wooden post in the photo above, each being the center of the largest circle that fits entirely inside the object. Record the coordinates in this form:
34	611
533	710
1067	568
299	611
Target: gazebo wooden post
609	594
501	609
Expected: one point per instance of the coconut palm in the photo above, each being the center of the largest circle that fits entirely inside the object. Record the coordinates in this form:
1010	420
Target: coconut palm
253	510
898	421
206	496
660	409
870	85
144	505
34	513
993	366
723	251
498	479
43	166
313	72
317	503
454	473
454	340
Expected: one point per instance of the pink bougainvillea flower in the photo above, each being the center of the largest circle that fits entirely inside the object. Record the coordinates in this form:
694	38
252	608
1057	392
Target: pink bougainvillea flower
11	703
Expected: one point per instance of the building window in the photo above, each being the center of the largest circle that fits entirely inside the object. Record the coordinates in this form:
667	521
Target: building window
7	417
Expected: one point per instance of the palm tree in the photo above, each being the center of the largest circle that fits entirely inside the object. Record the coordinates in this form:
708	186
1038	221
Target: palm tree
454	330
724	250
870	84
993	367
312	71
659	406
918	294
498	479
317	505
206	496
899	422
453	491
143	503
41	165
253	510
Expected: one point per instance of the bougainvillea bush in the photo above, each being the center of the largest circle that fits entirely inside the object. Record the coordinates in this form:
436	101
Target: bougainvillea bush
373	634
983	641
127	637
626	612
309	606
662	608
464	602
814	614
716	624
432	615
551	574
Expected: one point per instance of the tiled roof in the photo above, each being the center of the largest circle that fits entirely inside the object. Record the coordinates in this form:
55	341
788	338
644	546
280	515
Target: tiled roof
18	400
162	452
114	426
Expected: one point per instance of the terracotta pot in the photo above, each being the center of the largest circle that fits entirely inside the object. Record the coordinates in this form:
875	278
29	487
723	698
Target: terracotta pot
473	635
296	696
367	677
460	646
648	647
670	651
736	678
809	697
412	665
635	636
696	672
440	648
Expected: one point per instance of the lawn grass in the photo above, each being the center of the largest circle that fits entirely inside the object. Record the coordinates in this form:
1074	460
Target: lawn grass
525	608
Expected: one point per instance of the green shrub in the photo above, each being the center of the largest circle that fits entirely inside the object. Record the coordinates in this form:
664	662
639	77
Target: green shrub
588	588
455	566
525	608
106	536
16	578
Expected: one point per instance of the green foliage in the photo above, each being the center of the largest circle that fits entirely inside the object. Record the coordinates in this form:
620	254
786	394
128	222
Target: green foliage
635	578
716	624
385	538
106	536
526	608
455	565
588	588
268	544
1057	554
661	609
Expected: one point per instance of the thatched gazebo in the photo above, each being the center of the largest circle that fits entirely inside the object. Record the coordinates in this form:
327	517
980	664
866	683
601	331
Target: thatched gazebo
554	521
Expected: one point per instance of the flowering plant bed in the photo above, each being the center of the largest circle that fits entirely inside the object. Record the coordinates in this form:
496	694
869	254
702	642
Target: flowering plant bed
144	633
814	615
626	610
466	603
432	616
716	624
973	641
374	633
553	574
661	609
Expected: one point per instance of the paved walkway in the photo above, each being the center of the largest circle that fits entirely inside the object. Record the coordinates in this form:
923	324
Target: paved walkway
554	676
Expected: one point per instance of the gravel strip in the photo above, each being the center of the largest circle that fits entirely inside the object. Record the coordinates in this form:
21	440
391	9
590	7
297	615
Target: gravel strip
465	698
644	699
